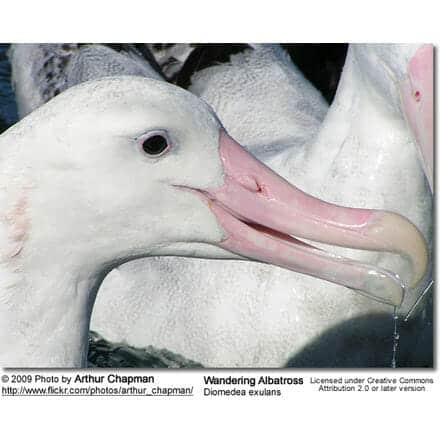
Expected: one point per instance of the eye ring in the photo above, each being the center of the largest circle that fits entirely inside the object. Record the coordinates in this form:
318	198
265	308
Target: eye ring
155	143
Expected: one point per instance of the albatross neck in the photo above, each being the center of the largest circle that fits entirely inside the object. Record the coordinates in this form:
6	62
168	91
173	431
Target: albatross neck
45	319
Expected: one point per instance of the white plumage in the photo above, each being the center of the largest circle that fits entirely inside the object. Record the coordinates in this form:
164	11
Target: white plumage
241	314
248	315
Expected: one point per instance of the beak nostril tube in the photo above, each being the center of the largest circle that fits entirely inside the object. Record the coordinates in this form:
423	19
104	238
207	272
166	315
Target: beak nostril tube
249	183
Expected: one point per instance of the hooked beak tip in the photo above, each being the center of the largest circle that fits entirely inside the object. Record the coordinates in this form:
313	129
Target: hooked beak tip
394	233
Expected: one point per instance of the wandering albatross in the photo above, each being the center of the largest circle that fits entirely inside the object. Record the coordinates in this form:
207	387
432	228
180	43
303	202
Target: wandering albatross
240	314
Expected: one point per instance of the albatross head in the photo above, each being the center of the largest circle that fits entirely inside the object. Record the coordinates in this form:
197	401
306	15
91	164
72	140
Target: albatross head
127	167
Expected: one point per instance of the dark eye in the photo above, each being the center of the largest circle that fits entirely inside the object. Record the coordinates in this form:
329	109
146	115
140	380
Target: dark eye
155	145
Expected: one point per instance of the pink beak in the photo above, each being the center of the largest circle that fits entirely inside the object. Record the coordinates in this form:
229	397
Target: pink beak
260	211
417	94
